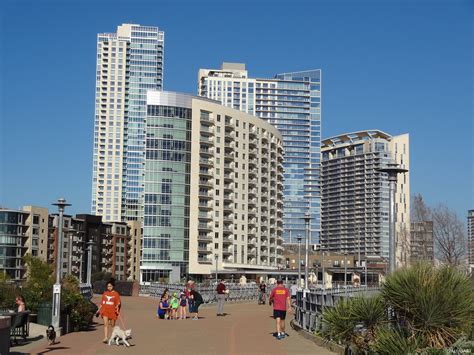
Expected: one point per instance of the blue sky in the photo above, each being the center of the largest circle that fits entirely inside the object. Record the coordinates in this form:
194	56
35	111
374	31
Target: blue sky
398	66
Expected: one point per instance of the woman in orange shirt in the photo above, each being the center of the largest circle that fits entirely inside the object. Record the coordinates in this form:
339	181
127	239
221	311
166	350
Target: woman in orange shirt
109	308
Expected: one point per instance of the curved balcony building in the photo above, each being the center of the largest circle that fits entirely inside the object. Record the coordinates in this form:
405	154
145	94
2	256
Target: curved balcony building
213	189
355	196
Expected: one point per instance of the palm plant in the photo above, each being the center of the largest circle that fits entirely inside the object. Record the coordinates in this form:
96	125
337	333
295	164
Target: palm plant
353	321
434	306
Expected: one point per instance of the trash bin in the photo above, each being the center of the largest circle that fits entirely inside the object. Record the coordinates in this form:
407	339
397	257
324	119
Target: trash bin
5	335
45	313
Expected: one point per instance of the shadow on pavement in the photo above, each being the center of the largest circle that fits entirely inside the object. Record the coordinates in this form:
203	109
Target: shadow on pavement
50	349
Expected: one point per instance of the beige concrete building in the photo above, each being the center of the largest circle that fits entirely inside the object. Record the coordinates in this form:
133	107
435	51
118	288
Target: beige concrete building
421	242
37	232
213	189
355	198
135	246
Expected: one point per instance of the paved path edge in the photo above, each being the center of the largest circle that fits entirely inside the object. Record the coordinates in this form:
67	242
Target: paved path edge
335	348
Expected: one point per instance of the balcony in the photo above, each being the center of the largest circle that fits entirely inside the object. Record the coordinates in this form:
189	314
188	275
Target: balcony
205	237
206	151
204	260
204	227
228	197
205	140
205	194
206	182
205	216
206	130
206	172
206	162
204	250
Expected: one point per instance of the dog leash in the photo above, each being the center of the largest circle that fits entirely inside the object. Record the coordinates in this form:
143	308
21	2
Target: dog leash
121	321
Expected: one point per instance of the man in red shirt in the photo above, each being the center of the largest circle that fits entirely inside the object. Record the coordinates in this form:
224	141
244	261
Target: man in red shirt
281	300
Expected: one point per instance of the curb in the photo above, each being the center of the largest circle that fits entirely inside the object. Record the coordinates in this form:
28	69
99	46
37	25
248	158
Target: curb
316	339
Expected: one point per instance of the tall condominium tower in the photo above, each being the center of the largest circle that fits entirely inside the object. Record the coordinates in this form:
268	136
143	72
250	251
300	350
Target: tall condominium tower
291	102
129	62
355	196
213	189
470	238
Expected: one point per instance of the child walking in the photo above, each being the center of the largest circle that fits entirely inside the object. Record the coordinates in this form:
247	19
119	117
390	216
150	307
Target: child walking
174	304
183	303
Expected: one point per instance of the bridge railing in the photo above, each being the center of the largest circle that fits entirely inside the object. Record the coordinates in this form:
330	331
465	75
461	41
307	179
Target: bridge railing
86	290
236	293
309	309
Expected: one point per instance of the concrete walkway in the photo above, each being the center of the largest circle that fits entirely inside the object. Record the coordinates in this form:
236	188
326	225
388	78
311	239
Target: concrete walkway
246	329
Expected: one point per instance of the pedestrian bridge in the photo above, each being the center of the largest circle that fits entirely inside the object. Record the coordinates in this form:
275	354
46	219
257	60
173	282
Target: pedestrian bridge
247	328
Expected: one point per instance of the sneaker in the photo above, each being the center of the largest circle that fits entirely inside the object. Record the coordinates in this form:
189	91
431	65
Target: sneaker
280	336
105	340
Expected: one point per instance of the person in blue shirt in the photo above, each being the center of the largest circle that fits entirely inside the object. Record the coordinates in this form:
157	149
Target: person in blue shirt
163	308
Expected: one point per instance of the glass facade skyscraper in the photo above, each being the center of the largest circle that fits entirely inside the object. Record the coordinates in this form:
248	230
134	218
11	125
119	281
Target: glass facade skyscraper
129	63
291	102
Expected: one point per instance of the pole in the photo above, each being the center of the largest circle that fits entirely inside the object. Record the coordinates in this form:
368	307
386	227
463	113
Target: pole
299	260
217	259
61	203
366	281
307	218
392	170
89	262
80	266
322	264
345	273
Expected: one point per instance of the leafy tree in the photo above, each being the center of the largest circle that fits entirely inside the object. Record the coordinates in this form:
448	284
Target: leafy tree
39	285
74	303
7	292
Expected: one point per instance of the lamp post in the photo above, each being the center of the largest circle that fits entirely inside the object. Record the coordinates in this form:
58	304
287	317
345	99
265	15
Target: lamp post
392	170
345	273
216	256
322	267
366	281
299	237
90	243
61	203
307	218
69	254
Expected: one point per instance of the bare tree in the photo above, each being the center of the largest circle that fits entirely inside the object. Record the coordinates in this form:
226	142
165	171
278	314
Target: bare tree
420	212
449	236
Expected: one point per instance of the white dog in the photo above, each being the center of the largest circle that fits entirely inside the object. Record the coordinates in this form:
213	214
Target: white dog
120	334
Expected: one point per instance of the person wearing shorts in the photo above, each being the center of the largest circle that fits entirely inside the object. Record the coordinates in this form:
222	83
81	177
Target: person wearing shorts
109	308
281	300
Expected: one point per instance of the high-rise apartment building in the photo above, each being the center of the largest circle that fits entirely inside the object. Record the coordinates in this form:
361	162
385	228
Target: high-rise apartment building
213	189
355	196
421	242
470	238
129	63
291	102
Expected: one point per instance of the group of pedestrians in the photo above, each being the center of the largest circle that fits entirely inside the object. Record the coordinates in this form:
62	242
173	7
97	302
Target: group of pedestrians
174	306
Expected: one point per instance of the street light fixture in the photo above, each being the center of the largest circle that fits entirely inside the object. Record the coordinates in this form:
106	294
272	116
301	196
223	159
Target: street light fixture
61	203
392	170
299	238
